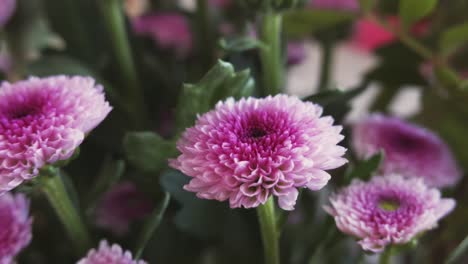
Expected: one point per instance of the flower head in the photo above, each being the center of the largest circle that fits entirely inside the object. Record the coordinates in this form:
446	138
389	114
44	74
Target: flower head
107	254
387	210
249	150
168	30
16	226
296	52
120	206
409	150
7	9
43	121
335	4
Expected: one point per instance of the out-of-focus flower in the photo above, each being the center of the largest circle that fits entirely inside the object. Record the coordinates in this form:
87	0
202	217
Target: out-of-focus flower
249	150
43	121
388	210
135	8
109	254
352	5
7	8
16	226
296	52
120	206
409	150
168	30
369	35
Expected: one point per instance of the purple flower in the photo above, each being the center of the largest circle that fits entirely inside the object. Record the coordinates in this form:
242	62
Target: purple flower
249	150
387	210
7	8
120	206
16	226
107	254
296	52
409	150
351	5
43	121
168	30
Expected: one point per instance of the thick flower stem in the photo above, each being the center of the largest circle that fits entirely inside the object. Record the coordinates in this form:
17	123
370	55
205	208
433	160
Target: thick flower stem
270	235
115	23
54	188
386	256
325	71
271	55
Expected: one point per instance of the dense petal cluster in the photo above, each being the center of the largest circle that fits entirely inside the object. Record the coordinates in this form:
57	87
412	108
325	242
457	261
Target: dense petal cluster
107	254
16	226
168	30
43	121
120	206
335	4
409	150
7	8
387	210
249	150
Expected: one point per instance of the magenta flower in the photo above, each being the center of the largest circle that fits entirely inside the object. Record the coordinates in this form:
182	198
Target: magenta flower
7	8
120	206
168	30
43	121
107	254
249	150
387	210
409	150
352	5
16	226
296	52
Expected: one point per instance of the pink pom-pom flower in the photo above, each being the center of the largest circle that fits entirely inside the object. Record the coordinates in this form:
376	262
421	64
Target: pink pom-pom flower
43	121
109	254
249	150
16	226
7	8
168	30
120	206
388	210
409	150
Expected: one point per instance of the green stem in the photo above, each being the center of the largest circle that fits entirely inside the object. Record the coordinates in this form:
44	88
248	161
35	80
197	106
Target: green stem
54	188
386	256
271	57
115	22
325	70
383	100
270	235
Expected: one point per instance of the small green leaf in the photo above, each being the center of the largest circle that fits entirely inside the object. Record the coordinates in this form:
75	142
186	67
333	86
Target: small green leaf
300	23
148	151
364	169
453	38
219	83
413	10
240	44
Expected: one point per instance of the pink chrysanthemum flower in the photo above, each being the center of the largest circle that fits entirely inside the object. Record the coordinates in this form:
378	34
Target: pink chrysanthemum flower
16	226
351	5
107	254
409	150
43	121
249	150
120	206
387	210
7	8
168	30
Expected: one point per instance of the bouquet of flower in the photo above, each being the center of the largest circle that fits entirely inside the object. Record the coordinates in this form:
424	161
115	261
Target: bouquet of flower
233	131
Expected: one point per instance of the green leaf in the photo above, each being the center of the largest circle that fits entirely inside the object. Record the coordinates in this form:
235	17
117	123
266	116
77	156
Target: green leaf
367	5
148	151
219	83
240	44
300	23
364	169
413	10
453	38
151	225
